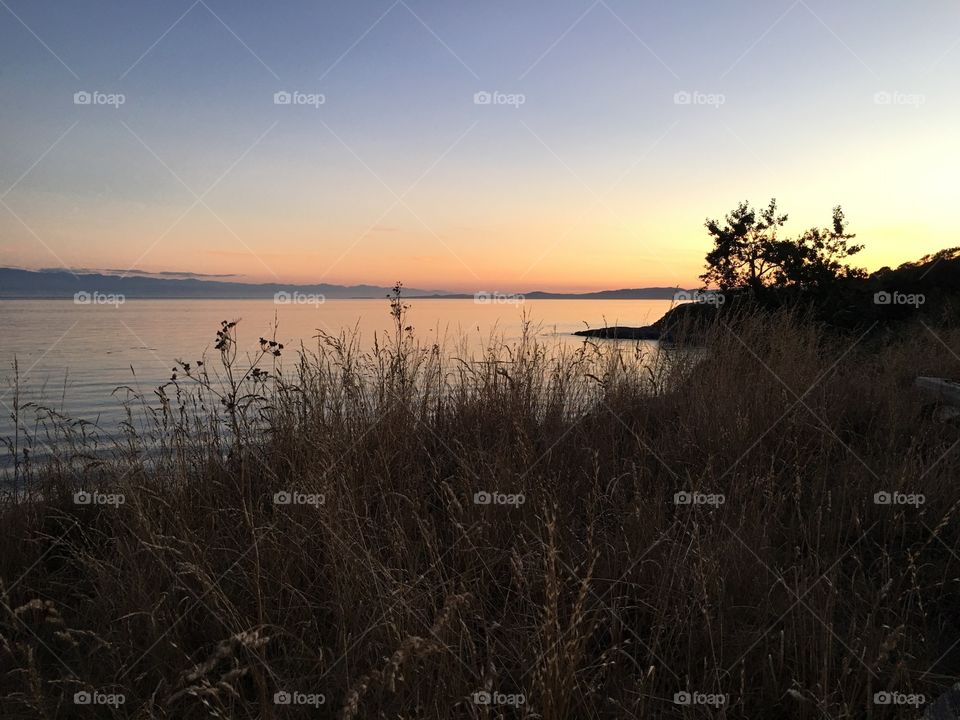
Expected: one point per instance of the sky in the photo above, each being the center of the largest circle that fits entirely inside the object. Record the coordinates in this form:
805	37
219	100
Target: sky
506	145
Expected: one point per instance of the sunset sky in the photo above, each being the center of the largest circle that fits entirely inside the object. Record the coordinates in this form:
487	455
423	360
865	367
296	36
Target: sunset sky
601	178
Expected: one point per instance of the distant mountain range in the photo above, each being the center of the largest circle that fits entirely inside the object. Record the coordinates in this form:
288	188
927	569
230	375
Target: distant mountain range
63	284
17	283
654	293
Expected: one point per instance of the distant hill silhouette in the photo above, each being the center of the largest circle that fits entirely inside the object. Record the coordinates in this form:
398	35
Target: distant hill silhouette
62	284
654	293
16	283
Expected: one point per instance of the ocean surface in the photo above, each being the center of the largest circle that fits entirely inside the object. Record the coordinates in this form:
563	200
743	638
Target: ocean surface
72	357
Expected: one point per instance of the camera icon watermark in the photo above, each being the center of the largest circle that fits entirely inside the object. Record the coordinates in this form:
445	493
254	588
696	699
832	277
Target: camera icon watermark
292	497
84	97
98	298
898	498
498	498
287	697
85	697
83	497
485	297
698	498
484	697
685	697
284	97
893	97
298	298
898	298
499	98
695	97
886	697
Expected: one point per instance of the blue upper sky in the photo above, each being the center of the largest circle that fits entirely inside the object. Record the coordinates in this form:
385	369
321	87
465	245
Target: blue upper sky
601	177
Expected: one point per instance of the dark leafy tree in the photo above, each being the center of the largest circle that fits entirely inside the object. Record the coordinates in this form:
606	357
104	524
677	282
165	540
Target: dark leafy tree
747	252
744	248
815	259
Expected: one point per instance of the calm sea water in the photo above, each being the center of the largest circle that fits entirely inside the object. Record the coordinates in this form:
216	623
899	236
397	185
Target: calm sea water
72	357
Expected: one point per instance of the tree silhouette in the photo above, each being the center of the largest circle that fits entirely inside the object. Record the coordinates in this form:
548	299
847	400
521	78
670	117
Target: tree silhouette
744	248
747	252
818	255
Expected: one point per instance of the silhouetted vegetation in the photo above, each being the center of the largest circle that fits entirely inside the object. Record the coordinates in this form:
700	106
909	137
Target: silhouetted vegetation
748	252
397	589
756	269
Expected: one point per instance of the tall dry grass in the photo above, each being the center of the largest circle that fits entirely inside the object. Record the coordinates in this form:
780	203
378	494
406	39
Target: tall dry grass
398	596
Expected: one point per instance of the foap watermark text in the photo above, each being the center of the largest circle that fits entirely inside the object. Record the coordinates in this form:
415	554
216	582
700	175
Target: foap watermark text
898	498
284	97
85	697
695	97
84	97
485	297
98	298
498	498
293	497
483	697
698	498
298	298
893	97
499	98
899	298
704	297
685	697
83	497
294	697
887	697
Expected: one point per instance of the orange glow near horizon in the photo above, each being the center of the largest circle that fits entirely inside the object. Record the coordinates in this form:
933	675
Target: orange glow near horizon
546	258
